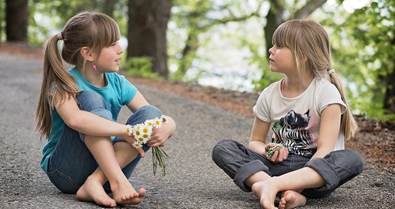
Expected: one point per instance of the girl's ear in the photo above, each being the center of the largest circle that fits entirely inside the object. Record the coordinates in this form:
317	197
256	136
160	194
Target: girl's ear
304	59
87	54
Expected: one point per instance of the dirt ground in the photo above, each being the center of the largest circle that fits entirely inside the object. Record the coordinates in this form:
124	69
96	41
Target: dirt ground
375	140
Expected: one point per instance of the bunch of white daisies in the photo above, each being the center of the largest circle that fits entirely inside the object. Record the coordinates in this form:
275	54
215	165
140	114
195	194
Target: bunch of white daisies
142	133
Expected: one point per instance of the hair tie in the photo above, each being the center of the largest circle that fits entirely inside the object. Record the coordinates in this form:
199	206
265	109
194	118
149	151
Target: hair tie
60	36
331	71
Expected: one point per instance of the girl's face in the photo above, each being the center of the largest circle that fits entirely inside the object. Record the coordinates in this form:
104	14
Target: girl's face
281	60
110	58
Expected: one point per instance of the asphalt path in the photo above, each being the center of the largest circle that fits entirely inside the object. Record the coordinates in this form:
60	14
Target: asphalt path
193	180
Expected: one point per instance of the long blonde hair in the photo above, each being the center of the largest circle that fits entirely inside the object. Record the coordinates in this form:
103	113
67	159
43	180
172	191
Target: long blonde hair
87	29
310	46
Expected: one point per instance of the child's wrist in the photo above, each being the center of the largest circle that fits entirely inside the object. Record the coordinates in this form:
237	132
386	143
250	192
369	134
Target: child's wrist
128	130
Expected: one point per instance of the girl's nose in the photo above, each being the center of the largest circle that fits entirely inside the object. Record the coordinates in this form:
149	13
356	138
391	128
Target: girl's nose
271	51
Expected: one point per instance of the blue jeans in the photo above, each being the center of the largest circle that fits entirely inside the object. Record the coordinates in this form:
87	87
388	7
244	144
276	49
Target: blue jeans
71	163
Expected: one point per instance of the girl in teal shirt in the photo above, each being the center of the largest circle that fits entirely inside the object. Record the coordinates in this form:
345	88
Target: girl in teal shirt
88	153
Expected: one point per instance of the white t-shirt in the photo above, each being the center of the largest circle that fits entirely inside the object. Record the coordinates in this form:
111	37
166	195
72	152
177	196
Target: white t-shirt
295	121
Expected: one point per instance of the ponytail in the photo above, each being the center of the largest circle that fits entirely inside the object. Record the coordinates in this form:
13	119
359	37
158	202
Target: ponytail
86	29
56	81
348	124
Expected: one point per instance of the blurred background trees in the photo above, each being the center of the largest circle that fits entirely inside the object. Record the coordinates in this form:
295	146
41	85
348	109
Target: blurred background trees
225	43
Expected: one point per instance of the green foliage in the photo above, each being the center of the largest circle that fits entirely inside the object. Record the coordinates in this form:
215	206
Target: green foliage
121	16
363	41
268	78
38	33
197	18
55	13
363	47
139	67
259	59
49	16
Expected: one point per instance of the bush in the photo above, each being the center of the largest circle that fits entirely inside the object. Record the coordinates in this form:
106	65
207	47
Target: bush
139	67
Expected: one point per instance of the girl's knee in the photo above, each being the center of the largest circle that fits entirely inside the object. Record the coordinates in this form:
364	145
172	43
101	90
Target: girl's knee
89	100
144	113
355	161
150	111
221	148
93	102
348	159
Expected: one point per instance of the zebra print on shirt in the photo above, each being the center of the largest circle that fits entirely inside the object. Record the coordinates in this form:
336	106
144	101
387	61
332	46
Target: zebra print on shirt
291	132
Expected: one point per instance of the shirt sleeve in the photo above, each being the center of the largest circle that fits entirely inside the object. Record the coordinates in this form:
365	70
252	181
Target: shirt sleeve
262	107
330	95
128	90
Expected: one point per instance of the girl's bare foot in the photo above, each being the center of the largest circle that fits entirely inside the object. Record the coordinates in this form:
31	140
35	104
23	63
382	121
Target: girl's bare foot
266	192
92	190
292	199
124	193
138	199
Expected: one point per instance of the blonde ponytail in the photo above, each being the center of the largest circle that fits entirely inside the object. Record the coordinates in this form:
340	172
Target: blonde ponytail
56	81
348	124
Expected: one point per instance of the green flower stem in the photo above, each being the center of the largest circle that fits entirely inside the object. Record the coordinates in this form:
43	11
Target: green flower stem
158	156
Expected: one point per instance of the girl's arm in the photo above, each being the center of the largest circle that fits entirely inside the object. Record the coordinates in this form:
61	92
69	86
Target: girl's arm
259	131
257	141
137	102
89	123
329	130
160	135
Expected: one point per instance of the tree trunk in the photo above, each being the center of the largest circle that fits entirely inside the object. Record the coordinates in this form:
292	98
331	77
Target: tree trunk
389	95
2	11
273	19
16	20
187	54
108	7
147	32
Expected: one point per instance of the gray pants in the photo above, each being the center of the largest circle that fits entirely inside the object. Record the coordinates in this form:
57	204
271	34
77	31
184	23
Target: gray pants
240	163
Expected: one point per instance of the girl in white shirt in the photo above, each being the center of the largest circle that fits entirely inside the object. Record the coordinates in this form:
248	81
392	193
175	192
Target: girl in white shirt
297	140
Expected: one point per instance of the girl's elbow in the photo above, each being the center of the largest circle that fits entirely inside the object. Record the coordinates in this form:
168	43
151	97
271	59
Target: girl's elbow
74	123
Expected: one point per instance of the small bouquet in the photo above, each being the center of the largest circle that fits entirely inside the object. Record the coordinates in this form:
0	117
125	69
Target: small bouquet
142	133
271	148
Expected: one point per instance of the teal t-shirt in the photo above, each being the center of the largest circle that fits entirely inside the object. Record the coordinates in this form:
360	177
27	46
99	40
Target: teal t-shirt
118	92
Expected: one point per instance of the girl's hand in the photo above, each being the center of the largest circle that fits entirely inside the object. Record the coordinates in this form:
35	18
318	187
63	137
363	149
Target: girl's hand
140	151
158	137
276	153
130	140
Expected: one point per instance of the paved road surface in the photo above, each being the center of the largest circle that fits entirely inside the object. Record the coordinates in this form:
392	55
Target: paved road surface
193	180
